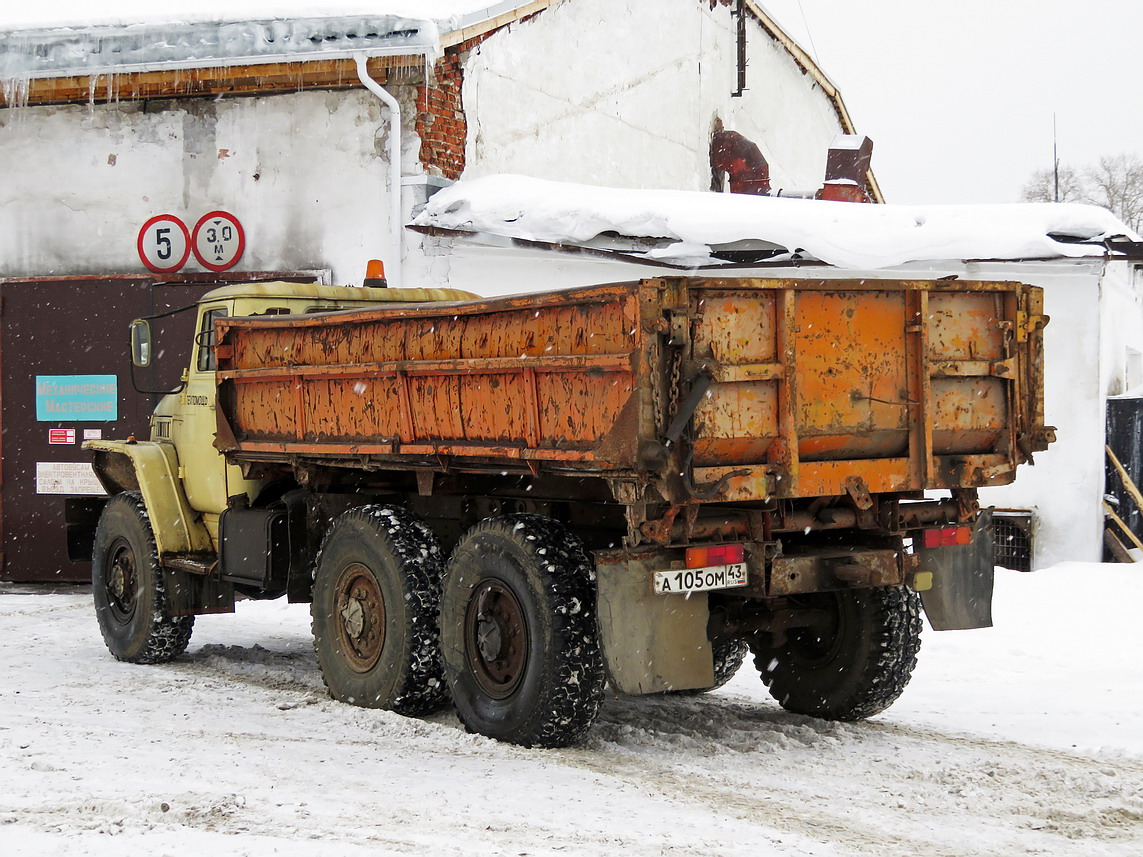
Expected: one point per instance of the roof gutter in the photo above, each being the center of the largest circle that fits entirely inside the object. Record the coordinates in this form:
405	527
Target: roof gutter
228	62
395	210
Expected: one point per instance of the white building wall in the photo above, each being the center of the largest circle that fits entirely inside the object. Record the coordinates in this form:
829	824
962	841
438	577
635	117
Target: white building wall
625	93
305	173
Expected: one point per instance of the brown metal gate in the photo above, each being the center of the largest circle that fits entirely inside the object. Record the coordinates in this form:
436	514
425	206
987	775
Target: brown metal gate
65	374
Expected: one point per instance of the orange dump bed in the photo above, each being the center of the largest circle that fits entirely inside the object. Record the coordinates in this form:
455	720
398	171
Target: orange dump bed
720	389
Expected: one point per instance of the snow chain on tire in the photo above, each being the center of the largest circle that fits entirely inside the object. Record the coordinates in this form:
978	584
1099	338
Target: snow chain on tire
860	671
376	601
128	587
519	632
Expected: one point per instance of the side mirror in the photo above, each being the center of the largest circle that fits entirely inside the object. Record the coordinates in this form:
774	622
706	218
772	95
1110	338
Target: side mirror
141	342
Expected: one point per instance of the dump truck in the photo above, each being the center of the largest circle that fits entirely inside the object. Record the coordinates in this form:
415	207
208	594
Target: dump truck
511	503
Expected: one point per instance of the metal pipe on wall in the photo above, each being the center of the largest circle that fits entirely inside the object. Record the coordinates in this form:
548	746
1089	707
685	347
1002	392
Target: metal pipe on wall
393	268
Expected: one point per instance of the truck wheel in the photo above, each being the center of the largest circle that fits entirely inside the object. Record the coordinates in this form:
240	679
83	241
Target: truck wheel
519	633
128	587
375	603
728	657
855	662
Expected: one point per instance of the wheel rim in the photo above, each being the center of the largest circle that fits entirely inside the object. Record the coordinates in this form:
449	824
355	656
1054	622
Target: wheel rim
496	638
121	582
359	617
817	646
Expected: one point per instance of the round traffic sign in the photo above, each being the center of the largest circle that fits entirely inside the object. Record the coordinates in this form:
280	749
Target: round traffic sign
164	243
218	241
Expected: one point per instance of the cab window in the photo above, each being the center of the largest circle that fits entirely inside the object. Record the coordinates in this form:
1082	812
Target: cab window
205	339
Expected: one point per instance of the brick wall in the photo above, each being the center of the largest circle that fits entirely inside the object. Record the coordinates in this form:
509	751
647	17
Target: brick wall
441	124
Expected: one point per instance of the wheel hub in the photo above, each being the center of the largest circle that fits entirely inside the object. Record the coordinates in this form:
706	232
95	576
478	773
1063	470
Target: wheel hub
497	639
120	583
361	617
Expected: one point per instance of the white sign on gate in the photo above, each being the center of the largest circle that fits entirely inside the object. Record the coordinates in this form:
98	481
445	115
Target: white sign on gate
218	241
67	477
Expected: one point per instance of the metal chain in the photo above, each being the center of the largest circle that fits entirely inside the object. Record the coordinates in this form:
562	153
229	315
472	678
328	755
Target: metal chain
676	372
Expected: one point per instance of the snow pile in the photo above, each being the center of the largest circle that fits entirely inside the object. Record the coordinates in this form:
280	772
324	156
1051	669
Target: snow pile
689	227
1026	738
40	41
63	14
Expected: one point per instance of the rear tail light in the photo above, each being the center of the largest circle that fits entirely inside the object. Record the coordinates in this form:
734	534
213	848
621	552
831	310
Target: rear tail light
715	555
946	537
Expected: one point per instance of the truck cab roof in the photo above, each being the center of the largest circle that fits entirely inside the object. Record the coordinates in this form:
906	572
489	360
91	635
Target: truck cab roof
315	291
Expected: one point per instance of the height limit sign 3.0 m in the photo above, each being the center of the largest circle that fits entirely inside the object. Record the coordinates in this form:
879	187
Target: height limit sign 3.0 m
218	241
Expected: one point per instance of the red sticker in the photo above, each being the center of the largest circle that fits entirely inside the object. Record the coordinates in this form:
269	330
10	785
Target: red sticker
61	436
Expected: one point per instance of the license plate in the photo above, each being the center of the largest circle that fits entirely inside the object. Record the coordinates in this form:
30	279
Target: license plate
700	579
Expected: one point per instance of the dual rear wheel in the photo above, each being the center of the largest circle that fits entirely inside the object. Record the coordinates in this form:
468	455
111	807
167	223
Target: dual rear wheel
517	646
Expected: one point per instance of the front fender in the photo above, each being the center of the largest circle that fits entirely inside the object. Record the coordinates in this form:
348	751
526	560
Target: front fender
152	469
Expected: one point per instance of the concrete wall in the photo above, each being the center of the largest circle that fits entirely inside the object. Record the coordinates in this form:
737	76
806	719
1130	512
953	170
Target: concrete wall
306	174
625	93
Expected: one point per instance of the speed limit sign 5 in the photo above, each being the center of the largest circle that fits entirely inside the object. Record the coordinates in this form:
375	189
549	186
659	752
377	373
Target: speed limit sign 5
218	241
164	244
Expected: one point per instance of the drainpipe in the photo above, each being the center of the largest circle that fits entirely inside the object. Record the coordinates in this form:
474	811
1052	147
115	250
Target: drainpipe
395	213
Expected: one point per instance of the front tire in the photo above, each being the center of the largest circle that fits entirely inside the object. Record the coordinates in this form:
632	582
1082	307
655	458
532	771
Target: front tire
129	590
519	633
854	662
375	603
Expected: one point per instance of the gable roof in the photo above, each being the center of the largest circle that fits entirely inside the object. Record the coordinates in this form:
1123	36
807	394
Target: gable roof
149	50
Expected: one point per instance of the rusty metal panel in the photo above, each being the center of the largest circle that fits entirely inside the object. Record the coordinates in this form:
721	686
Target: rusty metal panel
807	385
543	377
853	401
905	384
837	569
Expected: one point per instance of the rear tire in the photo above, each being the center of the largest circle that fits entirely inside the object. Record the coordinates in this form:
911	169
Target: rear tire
128	587
519	633
376	599
853	667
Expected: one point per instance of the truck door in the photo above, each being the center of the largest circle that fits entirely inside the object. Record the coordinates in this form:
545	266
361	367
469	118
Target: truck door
207	479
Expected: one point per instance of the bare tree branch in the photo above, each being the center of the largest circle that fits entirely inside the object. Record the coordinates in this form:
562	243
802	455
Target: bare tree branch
1041	186
1114	183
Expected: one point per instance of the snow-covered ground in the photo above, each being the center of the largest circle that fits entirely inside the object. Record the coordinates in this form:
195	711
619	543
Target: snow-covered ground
1022	739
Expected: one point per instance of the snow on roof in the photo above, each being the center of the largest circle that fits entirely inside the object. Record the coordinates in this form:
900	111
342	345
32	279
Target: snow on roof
50	38
696	229
75	15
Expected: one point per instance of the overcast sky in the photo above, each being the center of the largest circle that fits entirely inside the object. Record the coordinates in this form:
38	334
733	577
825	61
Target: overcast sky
957	95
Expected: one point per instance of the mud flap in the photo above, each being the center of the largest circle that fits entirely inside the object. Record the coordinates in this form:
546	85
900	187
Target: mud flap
961	594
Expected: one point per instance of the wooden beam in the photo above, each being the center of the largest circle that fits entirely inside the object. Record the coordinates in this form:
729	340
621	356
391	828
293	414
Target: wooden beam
476	30
251	79
1128	483
1126	530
